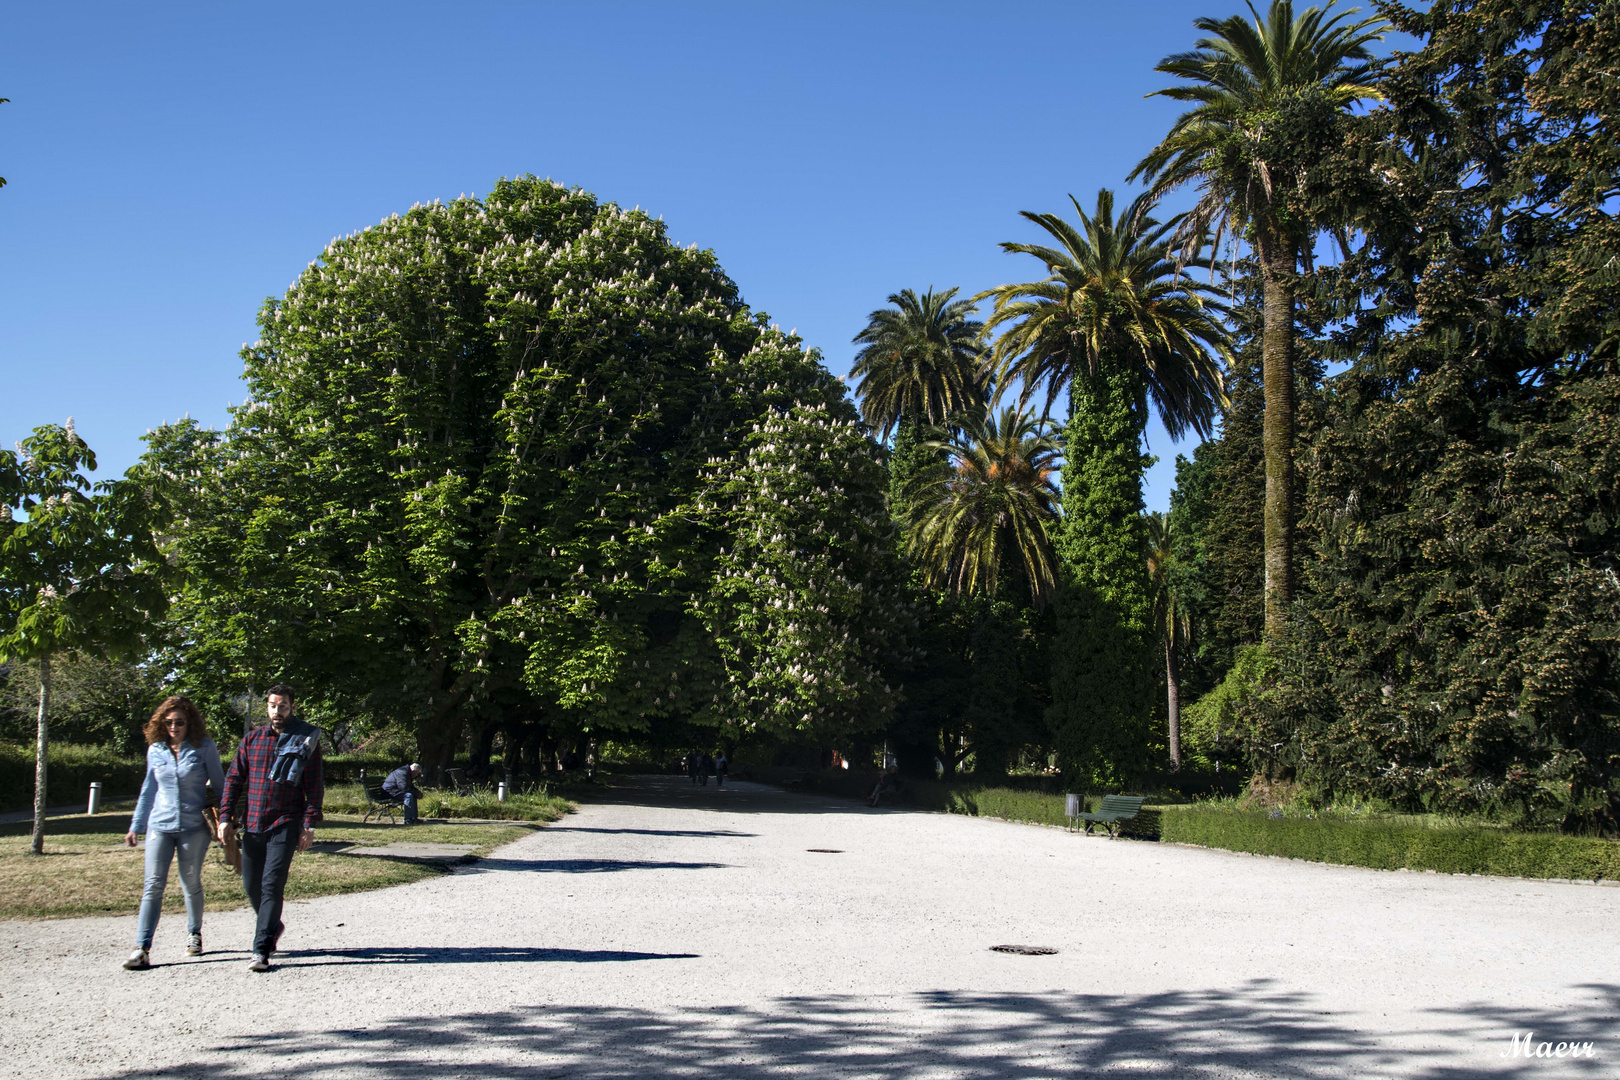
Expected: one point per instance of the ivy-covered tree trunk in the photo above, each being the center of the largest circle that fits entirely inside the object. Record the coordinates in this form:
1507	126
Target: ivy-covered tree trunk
993	686
907	459
1104	668
37	845
1277	270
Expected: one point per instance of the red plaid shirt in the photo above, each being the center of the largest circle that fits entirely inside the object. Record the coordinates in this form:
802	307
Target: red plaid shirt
269	804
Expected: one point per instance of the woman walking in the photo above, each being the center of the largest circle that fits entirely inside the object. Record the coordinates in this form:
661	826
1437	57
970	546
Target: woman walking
181	761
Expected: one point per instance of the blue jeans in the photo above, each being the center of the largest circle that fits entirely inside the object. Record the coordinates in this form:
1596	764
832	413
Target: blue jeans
410	806
160	851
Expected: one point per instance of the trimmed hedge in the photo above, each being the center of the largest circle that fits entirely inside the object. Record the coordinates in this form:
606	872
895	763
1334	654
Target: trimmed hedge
1371	842
70	770
1035	807
346	768
1389	845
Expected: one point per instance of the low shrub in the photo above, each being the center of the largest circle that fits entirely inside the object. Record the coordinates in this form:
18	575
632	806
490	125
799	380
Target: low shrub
1393	845
69	770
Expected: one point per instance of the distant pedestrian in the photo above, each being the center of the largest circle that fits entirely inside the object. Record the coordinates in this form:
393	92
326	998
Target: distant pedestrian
400	784
694	765
278	770
721	766
181	763
705	768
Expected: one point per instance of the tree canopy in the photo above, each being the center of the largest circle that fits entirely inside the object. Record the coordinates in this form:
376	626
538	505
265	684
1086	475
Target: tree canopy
523	453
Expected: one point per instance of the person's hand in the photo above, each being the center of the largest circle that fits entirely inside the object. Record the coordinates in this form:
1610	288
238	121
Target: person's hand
129	838
306	838
226	831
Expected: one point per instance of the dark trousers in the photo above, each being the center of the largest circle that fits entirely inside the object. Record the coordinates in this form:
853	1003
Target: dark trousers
266	858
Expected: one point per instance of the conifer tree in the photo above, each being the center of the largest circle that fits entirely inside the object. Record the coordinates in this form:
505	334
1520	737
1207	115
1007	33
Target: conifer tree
1461	646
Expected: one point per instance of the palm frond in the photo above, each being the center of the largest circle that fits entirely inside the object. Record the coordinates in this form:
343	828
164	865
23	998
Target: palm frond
922	359
989	505
1114	296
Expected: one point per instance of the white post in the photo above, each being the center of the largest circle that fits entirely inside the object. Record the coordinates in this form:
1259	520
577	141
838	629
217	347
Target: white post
500	792
95	797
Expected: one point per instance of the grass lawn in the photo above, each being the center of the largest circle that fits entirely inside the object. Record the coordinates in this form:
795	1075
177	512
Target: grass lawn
88	870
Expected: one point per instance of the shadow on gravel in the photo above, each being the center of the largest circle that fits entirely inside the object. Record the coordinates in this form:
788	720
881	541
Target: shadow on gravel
739	797
481	955
1256	1029
588	866
651	832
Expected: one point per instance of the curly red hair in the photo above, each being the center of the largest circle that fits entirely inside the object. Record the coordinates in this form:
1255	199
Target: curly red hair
196	728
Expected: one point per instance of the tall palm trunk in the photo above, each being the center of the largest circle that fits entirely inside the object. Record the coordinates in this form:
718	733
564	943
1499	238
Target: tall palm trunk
43	744
1277	265
1172	679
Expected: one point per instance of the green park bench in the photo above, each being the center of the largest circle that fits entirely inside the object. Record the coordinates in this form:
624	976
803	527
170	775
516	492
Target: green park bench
1114	809
379	802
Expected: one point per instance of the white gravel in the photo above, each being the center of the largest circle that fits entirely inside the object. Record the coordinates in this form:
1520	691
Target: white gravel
679	931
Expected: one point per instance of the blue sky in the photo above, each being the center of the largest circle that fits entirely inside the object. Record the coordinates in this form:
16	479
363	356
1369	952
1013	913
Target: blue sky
172	165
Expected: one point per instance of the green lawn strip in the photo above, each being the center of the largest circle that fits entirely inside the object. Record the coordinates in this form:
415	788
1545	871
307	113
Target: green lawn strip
536	805
87	869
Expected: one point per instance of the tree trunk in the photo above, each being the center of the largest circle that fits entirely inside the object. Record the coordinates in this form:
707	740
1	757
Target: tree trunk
38	846
1172	675
1277	271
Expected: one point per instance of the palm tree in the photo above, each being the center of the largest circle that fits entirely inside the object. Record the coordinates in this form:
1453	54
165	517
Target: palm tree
1266	94
993	499
921	360
1172	621
1117	321
1114	296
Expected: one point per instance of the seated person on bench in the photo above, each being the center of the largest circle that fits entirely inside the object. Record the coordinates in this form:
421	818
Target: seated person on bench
399	785
888	784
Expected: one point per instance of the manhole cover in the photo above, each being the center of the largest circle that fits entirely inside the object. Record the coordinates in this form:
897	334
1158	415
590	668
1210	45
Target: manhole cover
1024	950
827	850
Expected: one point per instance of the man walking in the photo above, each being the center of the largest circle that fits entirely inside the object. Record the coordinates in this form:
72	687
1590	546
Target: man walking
278	768
402	787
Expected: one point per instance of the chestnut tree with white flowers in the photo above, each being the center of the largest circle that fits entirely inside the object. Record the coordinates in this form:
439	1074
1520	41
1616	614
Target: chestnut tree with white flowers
522	454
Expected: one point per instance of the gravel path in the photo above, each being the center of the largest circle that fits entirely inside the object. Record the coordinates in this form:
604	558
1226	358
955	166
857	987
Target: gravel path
680	931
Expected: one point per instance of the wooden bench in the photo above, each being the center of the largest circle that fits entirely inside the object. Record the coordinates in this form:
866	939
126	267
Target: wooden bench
379	802
456	781
1114	809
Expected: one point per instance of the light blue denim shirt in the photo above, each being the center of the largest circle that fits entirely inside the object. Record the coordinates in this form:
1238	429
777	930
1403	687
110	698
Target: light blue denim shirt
175	791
